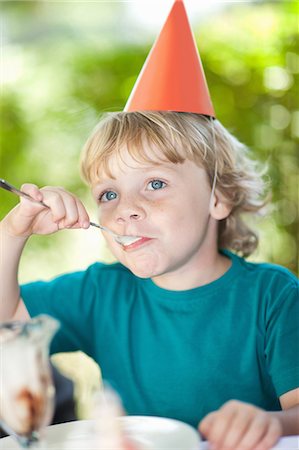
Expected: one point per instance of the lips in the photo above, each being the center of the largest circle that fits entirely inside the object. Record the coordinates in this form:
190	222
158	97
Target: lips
137	243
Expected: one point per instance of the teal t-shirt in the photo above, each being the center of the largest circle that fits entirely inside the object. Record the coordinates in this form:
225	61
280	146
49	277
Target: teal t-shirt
180	354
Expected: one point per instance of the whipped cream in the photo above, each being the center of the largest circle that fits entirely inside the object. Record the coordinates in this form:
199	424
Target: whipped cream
128	240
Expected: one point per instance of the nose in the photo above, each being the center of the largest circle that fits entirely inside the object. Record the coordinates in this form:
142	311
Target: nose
129	210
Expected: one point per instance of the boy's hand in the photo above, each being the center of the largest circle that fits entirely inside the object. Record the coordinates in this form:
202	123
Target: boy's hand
242	426
65	211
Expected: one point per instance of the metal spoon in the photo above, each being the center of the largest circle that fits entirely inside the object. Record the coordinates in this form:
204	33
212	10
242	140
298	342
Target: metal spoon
123	240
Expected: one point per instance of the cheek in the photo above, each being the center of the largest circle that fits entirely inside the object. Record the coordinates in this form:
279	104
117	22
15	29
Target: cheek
103	213
165	211
113	246
189	221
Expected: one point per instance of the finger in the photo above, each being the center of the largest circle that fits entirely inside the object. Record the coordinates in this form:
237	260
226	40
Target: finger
32	190
221	423
237	430
206	424
270	438
53	199
84	220
72	213
61	225
76	214
255	432
71	209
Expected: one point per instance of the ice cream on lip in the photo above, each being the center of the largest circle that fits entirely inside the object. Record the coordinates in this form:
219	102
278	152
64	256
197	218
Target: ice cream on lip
128	240
136	242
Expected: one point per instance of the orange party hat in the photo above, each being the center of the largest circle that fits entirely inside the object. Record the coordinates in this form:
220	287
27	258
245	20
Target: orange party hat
172	78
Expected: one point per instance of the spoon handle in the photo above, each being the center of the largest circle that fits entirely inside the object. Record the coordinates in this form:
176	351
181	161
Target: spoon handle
103	228
9	187
96	225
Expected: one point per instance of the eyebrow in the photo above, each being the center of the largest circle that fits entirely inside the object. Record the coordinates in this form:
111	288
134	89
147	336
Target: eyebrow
146	168
169	168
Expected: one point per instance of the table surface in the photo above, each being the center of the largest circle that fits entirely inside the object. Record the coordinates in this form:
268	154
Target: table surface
151	433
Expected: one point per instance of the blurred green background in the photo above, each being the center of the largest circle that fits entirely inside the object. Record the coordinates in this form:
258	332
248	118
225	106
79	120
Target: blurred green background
65	63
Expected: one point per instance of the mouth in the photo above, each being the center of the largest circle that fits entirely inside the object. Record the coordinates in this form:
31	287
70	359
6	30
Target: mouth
134	242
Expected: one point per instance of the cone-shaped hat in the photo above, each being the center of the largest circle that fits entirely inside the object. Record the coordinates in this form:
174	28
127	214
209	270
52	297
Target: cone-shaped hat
172	78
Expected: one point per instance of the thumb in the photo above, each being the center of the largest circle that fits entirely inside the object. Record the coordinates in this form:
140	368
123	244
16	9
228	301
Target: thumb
206	424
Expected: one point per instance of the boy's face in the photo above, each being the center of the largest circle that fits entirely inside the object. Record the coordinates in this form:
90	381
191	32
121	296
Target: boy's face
166	205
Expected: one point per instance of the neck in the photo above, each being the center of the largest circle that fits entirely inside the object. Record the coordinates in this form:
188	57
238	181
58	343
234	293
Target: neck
204	269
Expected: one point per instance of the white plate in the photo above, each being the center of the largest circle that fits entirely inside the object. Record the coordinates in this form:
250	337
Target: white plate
151	433
288	443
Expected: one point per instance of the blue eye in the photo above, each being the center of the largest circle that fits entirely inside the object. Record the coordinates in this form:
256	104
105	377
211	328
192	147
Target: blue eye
156	184
107	196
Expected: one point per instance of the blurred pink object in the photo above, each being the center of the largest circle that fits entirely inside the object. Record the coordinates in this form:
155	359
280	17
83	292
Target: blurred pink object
107	410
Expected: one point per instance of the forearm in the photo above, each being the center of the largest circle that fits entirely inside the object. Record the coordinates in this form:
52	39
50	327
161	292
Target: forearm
11	248
289	420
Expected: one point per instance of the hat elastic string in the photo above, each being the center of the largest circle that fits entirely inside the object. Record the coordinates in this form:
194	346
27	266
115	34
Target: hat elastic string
216	166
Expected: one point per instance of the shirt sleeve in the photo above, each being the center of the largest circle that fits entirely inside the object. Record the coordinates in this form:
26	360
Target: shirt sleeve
69	298
282	337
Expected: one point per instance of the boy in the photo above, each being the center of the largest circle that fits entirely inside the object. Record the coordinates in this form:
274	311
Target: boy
180	326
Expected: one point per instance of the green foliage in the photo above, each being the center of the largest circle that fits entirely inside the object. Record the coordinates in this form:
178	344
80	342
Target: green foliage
67	80
105	80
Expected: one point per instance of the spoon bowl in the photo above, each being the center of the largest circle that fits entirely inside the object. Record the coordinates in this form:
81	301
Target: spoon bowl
120	239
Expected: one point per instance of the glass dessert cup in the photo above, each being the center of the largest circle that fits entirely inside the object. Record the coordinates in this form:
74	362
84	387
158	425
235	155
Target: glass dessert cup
27	391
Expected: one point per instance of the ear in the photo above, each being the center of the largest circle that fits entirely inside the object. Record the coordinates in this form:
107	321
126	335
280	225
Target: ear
220	208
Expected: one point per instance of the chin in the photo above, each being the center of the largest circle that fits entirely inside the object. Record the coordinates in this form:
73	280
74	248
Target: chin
143	264
142	273
144	269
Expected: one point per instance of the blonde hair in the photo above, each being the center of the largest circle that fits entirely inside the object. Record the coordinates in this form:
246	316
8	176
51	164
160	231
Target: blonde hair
181	136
